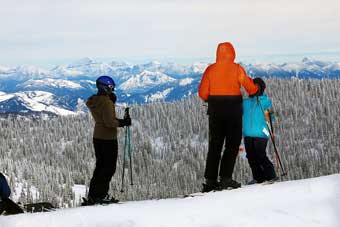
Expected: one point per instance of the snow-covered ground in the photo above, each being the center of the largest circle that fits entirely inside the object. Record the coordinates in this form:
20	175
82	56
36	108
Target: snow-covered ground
303	203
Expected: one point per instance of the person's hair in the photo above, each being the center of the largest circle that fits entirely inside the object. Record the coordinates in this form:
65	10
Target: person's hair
261	84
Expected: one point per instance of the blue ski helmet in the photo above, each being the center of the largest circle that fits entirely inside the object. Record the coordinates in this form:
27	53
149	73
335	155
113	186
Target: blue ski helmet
105	84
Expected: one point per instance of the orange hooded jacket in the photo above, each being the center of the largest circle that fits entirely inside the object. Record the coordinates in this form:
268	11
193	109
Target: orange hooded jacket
224	78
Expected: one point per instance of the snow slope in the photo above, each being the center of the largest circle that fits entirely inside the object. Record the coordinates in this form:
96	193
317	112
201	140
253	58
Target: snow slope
303	203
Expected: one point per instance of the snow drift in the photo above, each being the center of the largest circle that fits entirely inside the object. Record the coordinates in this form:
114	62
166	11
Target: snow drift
309	203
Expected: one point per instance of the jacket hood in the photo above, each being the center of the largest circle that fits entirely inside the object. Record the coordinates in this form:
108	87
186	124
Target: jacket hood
225	52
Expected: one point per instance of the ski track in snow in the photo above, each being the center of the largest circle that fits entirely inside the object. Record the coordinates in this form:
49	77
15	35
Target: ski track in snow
304	203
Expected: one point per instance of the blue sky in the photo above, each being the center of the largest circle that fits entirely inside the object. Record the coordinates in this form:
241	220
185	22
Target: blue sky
50	32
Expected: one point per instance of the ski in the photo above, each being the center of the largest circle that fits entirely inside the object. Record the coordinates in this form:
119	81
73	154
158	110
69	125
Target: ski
13	208
267	182
194	194
197	194
38	207
86	202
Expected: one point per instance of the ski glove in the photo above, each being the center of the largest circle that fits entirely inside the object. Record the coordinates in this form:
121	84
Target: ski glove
127	121
124	122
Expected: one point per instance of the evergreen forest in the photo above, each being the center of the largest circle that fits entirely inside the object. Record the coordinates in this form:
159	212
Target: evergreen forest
47	156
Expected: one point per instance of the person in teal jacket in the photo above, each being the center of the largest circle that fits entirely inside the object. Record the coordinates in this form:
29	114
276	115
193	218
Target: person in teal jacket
256	111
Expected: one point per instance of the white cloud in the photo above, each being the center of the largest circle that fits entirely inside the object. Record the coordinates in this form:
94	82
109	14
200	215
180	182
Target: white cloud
40	29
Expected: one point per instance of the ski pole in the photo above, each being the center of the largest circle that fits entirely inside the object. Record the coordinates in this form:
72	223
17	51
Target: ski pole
130	155
270	127
128	141
124	160
127	149
271	132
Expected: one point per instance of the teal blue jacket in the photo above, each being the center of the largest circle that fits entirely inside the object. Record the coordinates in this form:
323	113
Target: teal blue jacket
254	123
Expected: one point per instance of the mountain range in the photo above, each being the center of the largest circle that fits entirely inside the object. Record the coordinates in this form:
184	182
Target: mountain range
63	89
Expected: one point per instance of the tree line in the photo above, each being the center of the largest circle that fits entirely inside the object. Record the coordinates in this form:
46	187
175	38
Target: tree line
47	156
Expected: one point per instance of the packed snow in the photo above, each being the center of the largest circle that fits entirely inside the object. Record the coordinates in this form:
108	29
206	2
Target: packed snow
303	203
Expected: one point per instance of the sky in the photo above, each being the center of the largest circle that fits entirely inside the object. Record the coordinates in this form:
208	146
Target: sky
46	32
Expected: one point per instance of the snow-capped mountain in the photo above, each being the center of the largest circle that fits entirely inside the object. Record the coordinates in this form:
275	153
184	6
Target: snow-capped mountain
135	83
53	83
307	68
145	79
30	102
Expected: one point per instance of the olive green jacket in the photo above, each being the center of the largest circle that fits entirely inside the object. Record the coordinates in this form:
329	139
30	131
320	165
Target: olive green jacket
103	112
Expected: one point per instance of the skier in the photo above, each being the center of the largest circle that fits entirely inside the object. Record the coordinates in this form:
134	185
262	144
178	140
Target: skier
6	204
102	108
220	87
256	111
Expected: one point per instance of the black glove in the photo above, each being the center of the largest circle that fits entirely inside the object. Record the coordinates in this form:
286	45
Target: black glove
127	121
127	117
124	122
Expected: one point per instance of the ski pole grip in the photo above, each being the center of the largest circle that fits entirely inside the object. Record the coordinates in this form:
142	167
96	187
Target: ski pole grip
127	112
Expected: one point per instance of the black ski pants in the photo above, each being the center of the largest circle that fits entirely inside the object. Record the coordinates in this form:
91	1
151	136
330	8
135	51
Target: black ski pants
10	207
106	152
262	168
227	130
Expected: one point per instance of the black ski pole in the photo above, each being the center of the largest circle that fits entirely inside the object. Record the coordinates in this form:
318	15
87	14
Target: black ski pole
130	155
128	141
124	160
271	131
270	127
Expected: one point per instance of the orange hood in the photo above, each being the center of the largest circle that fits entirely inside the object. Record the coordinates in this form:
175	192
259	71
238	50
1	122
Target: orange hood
225	52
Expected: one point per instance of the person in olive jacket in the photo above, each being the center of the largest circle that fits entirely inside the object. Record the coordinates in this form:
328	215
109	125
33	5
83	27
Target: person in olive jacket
102	108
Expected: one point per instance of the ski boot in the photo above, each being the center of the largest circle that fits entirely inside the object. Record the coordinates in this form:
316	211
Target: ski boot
87	201
271	181
210	185
229	183
108	200
253	181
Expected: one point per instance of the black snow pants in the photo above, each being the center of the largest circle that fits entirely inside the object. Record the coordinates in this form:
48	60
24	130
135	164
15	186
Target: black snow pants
227	130
261	167
106	152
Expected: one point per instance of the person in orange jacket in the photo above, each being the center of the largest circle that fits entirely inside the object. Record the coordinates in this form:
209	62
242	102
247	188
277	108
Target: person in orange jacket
221	88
